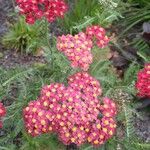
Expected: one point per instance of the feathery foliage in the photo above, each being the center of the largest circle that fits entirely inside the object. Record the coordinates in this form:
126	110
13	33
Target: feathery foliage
85	13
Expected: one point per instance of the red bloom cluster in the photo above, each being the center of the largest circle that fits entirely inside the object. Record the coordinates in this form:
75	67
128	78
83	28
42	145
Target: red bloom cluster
36	9
73	112
77	48
143	82
2	113
99	33
84	83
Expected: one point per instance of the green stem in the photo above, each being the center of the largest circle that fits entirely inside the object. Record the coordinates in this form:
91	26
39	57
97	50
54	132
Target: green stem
47	40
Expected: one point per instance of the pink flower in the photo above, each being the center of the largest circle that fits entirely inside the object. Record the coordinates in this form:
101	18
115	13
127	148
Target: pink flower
77	49
143	82
109	107
82	81
98	33
101	131
2	113
36	9
72	112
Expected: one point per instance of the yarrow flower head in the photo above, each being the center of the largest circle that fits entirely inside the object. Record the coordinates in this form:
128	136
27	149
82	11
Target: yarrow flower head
99	34
77	49
36	9
143	82
74	112
2	113
86	84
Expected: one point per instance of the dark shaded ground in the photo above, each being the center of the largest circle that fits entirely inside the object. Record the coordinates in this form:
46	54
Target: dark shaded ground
143	128
11	59
6	7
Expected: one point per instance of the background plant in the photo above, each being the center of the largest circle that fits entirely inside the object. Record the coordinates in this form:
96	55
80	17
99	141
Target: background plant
136	14
83	13
23	37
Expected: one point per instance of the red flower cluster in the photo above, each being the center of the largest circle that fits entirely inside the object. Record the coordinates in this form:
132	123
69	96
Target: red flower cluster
77	48
73	112
143	82
2	113
84	83
98	33
36	9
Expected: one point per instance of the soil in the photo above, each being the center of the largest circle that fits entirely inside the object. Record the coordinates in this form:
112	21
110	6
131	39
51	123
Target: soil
6	8
143	128
11	59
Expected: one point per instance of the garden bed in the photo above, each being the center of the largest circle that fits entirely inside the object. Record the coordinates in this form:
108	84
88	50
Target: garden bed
11	60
